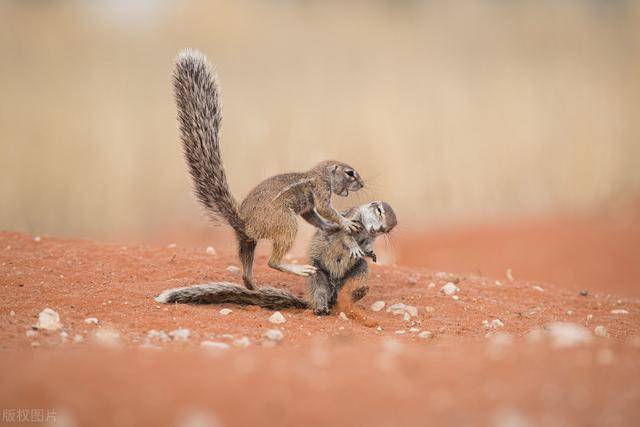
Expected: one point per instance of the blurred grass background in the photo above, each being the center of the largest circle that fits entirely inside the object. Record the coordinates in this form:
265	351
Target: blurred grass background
456	112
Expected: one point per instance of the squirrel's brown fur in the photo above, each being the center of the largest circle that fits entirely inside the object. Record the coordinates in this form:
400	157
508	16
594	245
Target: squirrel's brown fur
340	280
269	210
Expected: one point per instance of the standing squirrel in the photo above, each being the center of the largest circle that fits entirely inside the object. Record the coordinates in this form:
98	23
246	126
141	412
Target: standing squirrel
269	210
341	279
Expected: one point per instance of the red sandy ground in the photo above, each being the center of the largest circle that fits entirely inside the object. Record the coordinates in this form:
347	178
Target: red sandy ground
325	371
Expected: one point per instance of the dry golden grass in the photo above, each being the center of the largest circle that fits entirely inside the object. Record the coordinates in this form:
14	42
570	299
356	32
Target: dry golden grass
454	110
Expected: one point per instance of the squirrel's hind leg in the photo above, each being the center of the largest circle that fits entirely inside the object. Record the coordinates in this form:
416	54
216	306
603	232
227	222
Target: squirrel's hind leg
280	248
247	251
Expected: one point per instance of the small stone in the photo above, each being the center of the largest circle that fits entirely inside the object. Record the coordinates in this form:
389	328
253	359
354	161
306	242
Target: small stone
584	293
275	335
414	330
509	275
449	288
565	334
448	277
431	285
37	239
12	313
161	335
277	318
429	309
538	288
64	336
31	333
180	334
401	332
495	323
343	316
227	336
78	338
210	250
498	283
413	279
601	331
214	345
107	337
35	344
242	342
407	311
425	335
589	317
455	297
619	311
171	246
91	321
379	329
49	320
225	311
569	312
378	305
233	269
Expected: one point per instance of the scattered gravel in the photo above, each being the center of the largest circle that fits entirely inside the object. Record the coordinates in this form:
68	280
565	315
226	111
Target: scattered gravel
78	338
233	269
343	316
413	279
214	345
447	276
180	334
48	320
495	323
242	342
407	311
619	311
275	335
210	250
277	318
91	321
601	331
378	305
160	335
449	288
226	311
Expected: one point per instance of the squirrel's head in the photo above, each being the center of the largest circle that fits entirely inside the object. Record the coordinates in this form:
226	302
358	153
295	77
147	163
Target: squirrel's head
377	217
343	177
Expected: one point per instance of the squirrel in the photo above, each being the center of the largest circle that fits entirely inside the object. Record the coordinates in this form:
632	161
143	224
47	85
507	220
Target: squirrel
269	210
341	278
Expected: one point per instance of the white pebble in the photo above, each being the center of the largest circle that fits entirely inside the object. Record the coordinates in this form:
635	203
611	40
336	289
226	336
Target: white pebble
601	331
429	309
180	334
210	250
407	311
91	321
343	316
78	338
31	333
37	239
619	311
49	320
413	279
275	335
425	335
431	285
171	246
214	345
414	330
242	342
509	275
565	334
277	317
455	297
538	288
378	305
226	311
233	269
161	335
107	337
449	288
495	323
589	317
12	313
401	332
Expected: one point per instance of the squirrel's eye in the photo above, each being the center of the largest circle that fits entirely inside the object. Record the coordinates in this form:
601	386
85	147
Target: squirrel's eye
351	173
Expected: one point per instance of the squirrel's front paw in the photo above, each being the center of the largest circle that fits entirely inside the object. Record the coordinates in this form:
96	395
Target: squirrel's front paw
321	311
356	252
350	226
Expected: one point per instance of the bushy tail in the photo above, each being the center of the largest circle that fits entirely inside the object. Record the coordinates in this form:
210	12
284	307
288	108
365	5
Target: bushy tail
223	292
198	100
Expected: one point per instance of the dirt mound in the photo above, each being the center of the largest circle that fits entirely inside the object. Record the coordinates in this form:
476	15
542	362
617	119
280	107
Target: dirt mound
484	355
